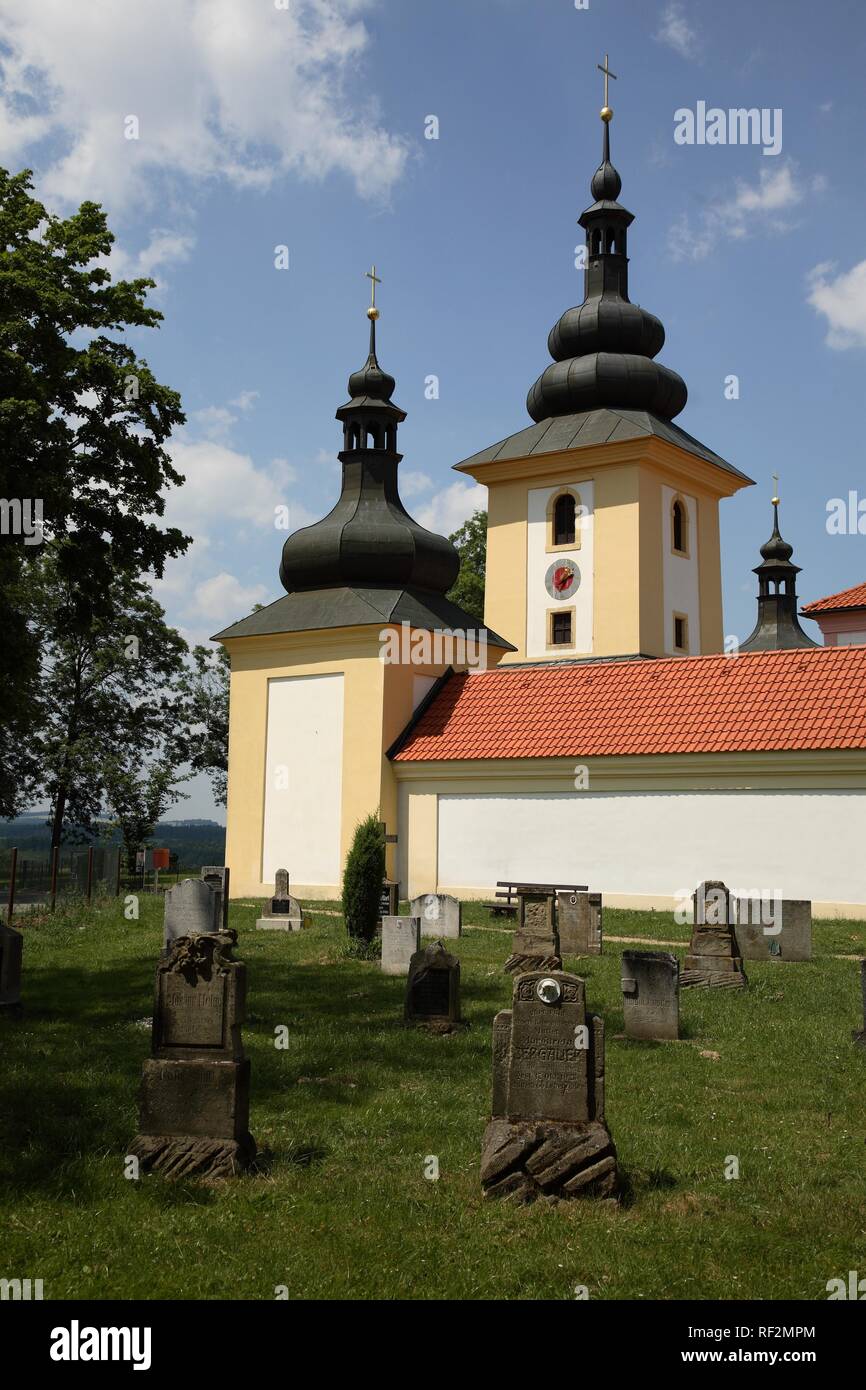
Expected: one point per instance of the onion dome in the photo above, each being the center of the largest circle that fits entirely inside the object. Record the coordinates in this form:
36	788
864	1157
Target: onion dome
603	350
369	539
778	625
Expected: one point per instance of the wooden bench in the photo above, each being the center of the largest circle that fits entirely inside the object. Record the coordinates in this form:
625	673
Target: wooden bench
510	891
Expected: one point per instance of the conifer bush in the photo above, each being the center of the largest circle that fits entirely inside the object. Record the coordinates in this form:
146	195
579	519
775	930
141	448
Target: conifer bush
362	879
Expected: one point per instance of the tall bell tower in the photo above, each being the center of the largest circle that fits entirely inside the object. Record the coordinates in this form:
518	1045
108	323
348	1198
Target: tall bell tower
603	526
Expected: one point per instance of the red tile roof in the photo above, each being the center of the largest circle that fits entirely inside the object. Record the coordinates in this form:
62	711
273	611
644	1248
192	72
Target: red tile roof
848	598
796	699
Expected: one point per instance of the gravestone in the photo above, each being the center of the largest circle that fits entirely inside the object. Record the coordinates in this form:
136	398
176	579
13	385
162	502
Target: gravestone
195	1088
578	921
192	908
441	915
535	945
401	939
11	946
860	1034
651	994
547	1136
283	912
433	990
389	899
217	875
714	960
774	930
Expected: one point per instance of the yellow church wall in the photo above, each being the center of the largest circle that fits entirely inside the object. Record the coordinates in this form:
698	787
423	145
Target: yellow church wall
505	587
617	592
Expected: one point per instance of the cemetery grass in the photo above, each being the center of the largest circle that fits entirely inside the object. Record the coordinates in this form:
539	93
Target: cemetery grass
347	1116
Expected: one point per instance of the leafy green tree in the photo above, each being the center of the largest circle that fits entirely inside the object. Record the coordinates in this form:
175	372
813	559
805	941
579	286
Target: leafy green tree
83	427
471	543
204	740
362	879
110	687
138	796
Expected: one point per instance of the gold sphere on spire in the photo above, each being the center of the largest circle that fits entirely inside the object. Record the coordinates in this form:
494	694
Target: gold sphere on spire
606	114
372	313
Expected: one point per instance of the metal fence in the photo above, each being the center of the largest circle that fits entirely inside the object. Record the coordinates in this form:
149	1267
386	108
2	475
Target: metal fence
29	878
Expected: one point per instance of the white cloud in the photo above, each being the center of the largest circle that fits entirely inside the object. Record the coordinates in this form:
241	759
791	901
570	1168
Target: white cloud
412	484
761	206
455	504
220	88
225	486
676	31
842	301
224	599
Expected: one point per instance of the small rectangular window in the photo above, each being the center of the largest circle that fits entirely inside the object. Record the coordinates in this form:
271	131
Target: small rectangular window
681	633
560	630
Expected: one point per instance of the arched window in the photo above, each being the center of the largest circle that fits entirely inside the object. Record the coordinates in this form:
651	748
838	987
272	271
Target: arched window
679	527
564	528
596	241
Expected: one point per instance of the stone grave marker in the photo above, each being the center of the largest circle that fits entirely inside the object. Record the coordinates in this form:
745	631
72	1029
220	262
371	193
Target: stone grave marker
714	960
283	912
401	939
441	915
192	908
860	1034
651	994
217	875
774	930
389	899
11	947
433	990
195	1088
535	945
578	920
548	1136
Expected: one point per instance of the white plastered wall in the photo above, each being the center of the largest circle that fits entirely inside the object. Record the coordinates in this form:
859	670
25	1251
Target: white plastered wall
303	777
680	574
538	561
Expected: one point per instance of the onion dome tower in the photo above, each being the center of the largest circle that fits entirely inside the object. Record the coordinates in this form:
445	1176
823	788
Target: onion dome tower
778	626
603	350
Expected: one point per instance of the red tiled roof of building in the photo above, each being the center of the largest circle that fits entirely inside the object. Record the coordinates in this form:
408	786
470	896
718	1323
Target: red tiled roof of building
811	698
835	603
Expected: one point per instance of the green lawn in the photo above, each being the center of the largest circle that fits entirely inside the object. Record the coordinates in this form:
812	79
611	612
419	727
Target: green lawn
347	1115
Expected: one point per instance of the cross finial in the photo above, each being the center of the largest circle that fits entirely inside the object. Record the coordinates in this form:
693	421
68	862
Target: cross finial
606	111
373	312
776	490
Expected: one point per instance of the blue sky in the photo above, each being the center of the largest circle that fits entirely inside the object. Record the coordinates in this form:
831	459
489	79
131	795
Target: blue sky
304	126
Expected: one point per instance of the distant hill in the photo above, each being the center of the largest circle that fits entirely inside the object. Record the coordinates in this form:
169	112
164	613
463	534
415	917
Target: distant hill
195	842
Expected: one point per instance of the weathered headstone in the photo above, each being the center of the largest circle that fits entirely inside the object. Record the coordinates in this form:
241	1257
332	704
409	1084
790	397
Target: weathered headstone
217	875
11	946
774	930
714	960
651	994
389	899
860	1034
195	1088
401	938
283	912
578	920
433	990
548	1135
535	945
441	915
192	908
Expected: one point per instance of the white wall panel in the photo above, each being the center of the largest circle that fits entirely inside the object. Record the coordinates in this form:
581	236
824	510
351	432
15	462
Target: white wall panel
303	779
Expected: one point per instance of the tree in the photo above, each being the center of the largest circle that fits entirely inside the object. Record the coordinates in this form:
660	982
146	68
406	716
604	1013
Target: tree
362	879
471	543
110	687
83	424
138	796
204	692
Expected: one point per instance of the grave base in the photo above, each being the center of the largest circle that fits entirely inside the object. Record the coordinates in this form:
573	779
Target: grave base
279	924
527	1159
517	964
185	1156
439	1026
705	977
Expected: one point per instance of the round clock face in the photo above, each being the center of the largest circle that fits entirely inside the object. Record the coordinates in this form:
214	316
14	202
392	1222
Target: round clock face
562	579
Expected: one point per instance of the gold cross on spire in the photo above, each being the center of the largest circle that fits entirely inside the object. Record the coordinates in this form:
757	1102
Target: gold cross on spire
606	111
776	490
373	312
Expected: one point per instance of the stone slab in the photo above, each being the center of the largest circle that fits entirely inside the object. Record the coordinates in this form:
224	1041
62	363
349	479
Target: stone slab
650	983
785	933
441	915
579	923
401	939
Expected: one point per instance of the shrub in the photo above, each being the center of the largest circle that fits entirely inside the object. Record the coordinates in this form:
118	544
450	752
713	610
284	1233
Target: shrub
362	879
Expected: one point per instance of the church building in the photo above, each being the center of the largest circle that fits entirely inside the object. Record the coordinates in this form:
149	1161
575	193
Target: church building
605	736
